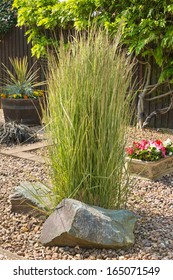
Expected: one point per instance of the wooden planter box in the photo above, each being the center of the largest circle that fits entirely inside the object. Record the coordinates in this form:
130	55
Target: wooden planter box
152	170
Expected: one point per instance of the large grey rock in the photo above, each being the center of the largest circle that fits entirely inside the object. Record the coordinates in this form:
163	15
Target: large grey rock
75	223
30	198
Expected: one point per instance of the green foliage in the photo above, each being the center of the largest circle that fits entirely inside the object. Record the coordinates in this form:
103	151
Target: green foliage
147	26
7	16
89	111
41	17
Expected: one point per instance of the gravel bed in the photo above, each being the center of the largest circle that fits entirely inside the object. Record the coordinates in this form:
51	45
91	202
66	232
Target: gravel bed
151	200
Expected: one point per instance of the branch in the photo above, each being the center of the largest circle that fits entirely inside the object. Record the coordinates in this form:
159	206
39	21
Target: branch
141	97
159	96
147	81
153	89
151	86
157	112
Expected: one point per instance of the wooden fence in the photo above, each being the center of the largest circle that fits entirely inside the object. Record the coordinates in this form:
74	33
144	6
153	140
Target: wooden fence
14	44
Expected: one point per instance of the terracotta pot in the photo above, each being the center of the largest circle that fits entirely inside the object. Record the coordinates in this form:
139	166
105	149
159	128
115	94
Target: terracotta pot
152	170
24	111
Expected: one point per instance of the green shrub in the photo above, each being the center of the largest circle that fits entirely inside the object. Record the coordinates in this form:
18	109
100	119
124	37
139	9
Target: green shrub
89	112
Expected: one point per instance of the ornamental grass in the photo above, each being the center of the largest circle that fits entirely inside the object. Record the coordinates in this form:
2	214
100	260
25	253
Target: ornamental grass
90	107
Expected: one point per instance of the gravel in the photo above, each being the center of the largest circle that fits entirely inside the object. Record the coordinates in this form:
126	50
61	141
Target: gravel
151	200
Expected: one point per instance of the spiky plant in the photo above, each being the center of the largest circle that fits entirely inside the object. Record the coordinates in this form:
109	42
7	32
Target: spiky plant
24	79
89	112
12	134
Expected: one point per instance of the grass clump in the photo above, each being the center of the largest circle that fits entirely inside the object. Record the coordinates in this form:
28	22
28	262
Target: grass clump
89	112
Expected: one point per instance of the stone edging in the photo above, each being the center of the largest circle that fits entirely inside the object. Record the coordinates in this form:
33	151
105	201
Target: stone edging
7	255
22	151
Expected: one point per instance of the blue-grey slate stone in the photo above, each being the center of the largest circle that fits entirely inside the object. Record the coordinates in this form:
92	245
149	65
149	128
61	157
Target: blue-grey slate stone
76	223
30	198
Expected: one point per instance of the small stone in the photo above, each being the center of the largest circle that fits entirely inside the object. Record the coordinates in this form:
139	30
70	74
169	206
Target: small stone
78	256
24	229
121	258
65	257
86	254
92	258
20	253
55	256
162	245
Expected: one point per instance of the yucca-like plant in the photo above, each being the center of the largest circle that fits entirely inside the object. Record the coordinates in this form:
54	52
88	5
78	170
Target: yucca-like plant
24	79
90	108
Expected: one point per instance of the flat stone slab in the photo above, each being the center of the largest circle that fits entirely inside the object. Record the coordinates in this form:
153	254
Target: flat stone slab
31	198
7	255
21	148
22	151
29	156
76	223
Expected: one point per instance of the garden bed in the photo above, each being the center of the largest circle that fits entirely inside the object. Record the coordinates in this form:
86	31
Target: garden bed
153	201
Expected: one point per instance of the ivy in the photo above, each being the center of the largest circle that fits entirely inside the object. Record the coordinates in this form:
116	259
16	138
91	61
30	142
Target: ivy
7	16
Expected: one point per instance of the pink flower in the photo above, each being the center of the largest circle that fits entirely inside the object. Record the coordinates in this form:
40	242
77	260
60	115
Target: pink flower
130	150
143	145
136	145
149	150
163	151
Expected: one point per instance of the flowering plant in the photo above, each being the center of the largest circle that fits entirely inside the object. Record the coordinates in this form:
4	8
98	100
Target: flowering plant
150	150
35	94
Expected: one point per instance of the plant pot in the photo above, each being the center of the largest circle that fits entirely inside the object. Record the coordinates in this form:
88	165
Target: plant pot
152	170
24	111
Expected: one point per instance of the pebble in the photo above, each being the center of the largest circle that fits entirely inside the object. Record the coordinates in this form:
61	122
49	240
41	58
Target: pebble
121	258
55	256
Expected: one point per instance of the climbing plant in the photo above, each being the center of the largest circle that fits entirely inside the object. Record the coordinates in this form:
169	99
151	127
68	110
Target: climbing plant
146	26
7	16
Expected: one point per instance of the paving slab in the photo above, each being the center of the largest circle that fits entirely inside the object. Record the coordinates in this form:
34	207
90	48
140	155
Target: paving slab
21	148
22	151
29	156
7	255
